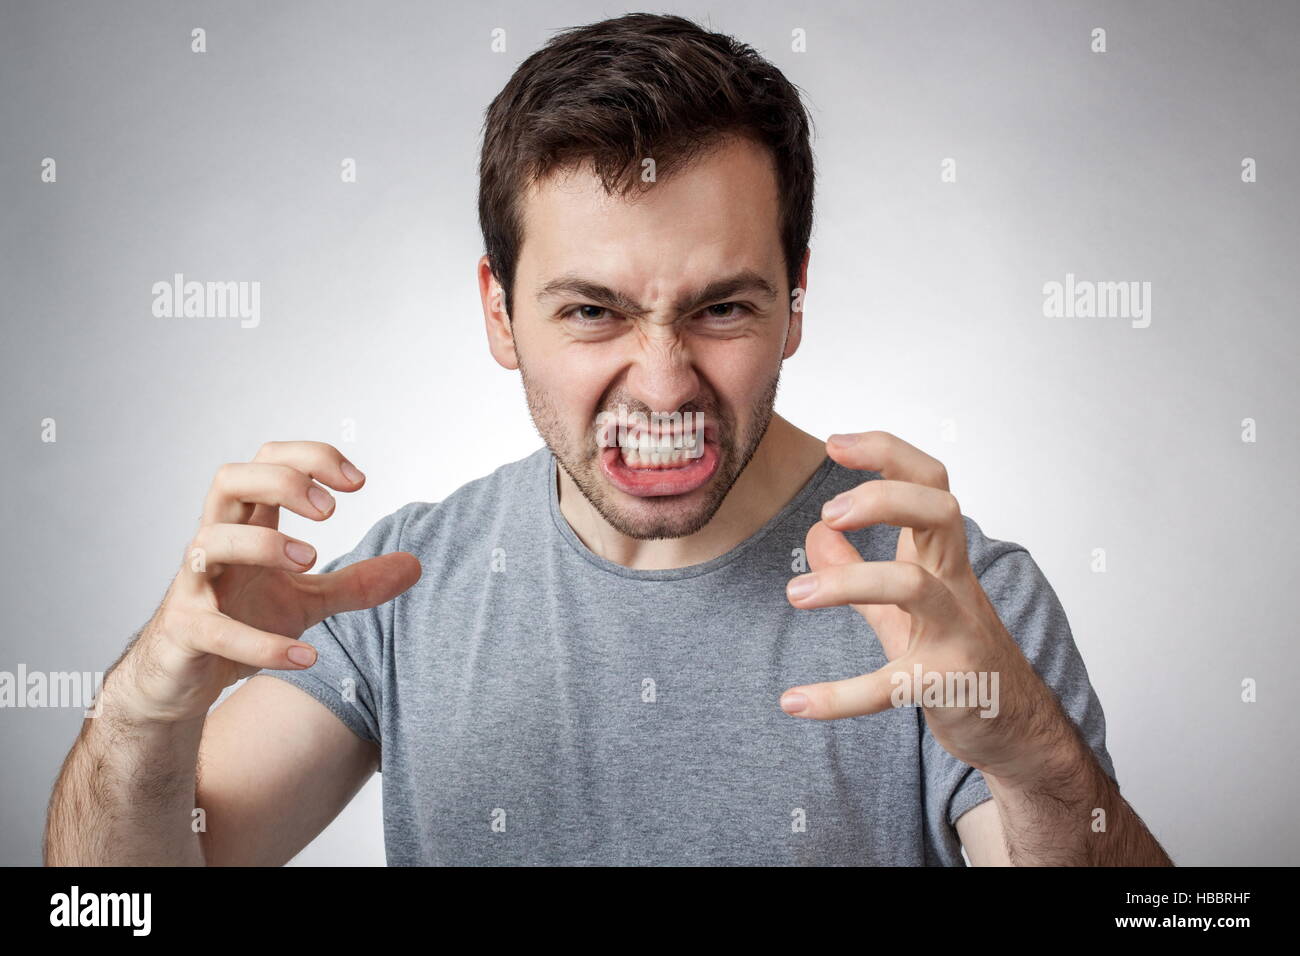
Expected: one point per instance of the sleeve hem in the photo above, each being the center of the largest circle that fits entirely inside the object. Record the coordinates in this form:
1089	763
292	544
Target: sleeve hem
971	792
313	685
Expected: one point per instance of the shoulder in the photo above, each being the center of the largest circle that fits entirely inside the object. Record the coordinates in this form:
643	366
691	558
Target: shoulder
507	493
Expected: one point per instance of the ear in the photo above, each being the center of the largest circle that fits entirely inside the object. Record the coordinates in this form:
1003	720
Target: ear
794	335
501	337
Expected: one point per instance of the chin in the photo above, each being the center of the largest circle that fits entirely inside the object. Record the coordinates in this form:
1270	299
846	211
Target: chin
659	531
655	500
660	517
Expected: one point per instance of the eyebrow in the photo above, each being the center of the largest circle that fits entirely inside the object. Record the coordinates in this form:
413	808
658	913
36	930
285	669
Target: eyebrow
746	280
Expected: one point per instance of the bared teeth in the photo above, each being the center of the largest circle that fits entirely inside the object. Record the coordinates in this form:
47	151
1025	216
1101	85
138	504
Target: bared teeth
653	448
648	456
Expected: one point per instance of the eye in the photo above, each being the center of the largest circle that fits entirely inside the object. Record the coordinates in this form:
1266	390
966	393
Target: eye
588	314
725	312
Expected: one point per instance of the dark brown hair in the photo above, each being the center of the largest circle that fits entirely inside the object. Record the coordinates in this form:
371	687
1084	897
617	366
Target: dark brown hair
638	86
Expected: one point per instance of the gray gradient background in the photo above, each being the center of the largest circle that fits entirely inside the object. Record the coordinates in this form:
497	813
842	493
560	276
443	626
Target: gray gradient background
924	304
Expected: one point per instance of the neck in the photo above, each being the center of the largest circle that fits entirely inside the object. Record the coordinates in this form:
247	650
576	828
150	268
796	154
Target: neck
782	464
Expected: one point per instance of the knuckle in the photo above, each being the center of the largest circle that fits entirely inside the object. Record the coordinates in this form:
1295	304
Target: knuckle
197	554
219	642
225	475
270	546
875	440
871	495
290	482
267	450
233	546
265	650
323	457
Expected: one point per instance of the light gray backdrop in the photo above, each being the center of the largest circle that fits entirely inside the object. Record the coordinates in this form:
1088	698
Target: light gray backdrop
924	317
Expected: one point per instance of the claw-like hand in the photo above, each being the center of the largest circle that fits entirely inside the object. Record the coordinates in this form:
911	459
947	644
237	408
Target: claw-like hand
241	597
937	627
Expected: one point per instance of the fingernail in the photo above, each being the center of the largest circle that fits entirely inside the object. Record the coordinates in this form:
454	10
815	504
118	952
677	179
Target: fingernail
794	703
837	507
350	472
321	499
299	553
801	587
842	441
302	654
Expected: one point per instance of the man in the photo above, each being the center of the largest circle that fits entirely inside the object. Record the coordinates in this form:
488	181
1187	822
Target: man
597	654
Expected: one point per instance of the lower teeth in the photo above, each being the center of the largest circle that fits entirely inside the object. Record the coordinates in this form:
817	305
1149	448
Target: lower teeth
654	460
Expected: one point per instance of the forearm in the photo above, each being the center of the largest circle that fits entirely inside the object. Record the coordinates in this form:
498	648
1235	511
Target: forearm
1062	809
125	795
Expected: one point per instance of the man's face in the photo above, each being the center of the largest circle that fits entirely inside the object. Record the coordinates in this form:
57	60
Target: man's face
673	300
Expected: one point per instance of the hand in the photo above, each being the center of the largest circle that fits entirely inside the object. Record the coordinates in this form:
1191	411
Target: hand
928	610
241	597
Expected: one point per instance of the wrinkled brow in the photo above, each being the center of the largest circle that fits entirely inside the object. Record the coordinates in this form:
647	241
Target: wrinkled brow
716	291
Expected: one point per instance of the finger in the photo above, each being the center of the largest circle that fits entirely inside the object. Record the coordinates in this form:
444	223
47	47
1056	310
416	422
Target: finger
827	547
265	516
933	514
365	584
852	697
889	455
217	545
235	641
892	625
240	485
321	461
902	583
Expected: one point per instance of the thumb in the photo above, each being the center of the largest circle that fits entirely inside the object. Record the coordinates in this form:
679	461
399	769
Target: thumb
871	693
367	583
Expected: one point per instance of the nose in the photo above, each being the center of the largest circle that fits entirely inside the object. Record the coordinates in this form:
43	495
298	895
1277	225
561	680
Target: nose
662	374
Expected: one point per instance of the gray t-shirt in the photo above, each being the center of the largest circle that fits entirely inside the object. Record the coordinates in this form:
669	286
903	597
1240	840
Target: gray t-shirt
535	703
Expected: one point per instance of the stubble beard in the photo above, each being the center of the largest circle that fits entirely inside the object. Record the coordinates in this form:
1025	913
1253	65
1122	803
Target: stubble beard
580	461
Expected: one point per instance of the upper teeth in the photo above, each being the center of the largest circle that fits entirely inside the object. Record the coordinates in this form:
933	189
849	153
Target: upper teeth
663	442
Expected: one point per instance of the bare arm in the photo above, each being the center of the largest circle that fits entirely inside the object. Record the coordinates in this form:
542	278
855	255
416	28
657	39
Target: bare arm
980	829
125	792
1066	811
266	801
271	766
1062	810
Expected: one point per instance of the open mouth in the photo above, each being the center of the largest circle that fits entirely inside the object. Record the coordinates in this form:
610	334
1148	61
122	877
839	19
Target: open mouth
649	466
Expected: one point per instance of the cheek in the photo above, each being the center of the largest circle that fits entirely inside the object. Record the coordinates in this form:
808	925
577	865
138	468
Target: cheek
567	379
576	384
739	369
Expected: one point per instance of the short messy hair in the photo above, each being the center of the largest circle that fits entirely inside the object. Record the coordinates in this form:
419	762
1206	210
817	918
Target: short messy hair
622	90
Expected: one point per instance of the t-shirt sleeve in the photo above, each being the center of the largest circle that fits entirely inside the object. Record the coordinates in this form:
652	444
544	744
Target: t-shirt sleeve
1032	614
351	646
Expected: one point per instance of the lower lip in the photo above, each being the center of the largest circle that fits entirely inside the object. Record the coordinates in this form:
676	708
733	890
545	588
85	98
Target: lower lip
659	482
